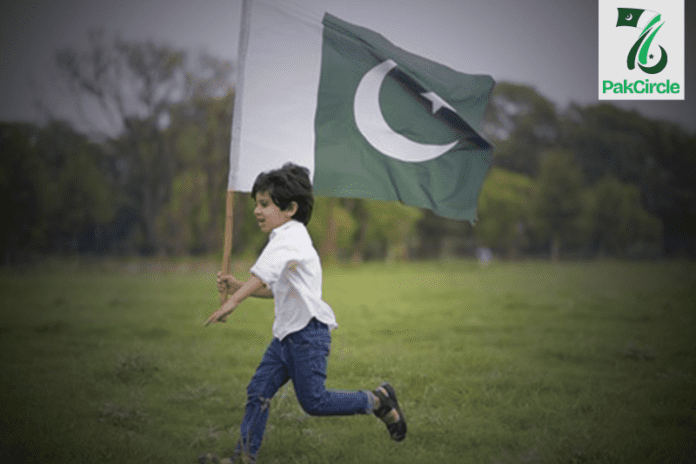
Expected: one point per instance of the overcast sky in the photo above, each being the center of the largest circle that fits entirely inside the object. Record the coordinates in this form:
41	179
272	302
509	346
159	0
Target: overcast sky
548	44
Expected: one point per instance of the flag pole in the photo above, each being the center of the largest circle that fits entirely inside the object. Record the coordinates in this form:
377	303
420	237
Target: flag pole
227	246
234	145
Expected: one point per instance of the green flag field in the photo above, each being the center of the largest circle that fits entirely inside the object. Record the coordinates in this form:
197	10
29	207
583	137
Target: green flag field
518	362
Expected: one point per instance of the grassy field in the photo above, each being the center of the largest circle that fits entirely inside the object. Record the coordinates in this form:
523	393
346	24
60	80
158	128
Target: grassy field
523	362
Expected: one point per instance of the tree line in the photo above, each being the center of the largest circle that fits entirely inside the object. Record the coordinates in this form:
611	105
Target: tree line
146	173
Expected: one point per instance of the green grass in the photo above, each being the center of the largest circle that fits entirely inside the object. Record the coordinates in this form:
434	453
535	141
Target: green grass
515	363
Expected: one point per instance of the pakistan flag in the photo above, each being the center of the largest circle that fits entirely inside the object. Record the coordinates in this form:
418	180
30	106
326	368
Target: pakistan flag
629	17
635	17
394	126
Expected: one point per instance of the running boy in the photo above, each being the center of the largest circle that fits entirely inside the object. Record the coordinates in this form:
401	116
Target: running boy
289	271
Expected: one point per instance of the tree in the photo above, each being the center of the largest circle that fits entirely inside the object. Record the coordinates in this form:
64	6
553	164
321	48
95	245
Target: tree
522	123
54	189
504	211
332	227
77	197
617	220
440	237
390	227
556	199
19	198
658	157
191	218
130	88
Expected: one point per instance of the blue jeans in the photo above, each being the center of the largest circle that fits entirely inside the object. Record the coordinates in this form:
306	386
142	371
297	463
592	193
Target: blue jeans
302	356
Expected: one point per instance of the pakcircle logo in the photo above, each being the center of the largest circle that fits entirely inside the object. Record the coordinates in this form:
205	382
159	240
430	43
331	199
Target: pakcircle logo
647	21
641	50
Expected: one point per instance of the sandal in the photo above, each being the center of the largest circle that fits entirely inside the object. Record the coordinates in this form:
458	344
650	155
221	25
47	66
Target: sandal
389	403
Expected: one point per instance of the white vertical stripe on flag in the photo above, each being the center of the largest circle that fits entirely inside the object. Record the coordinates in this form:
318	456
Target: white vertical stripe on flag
279	87
239	91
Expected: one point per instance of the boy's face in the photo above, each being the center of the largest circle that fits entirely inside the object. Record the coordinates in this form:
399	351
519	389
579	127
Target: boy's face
269	215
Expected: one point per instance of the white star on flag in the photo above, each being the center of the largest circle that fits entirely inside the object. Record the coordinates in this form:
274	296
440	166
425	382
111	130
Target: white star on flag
437	101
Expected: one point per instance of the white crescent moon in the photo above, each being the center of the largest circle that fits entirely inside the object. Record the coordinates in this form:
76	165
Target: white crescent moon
629	17
372	125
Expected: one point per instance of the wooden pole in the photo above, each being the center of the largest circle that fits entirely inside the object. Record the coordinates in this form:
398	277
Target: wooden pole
245	25
227	247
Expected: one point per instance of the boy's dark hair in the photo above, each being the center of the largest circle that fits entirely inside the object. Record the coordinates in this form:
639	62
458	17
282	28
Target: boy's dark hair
285	185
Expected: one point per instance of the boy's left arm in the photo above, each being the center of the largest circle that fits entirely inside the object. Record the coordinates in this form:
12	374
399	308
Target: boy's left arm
247	289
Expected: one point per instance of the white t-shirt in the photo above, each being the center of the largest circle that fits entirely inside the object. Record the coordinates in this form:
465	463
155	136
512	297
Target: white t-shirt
291	268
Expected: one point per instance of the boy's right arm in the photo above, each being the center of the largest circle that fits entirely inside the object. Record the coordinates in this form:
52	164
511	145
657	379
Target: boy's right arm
229	283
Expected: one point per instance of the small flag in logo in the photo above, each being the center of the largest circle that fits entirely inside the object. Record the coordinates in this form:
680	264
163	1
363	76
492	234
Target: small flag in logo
629	17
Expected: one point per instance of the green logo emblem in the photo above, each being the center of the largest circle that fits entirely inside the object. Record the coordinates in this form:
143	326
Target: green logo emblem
640	52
